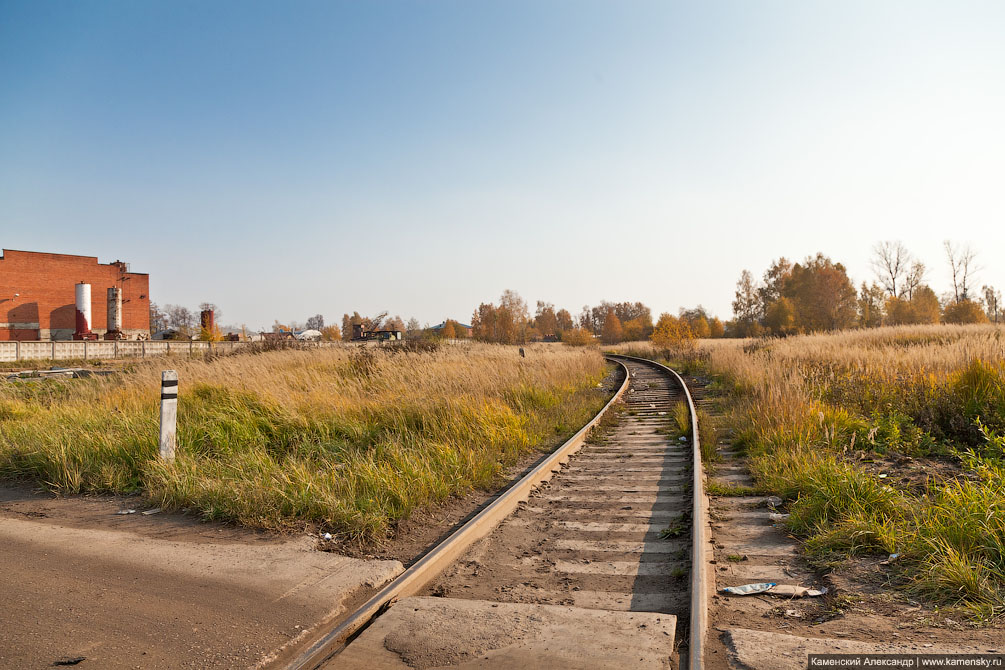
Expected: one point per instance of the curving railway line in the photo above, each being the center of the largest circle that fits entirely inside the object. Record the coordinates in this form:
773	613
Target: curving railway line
596	558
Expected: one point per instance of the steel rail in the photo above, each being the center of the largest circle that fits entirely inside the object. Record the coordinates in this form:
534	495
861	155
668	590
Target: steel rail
423	571
701	579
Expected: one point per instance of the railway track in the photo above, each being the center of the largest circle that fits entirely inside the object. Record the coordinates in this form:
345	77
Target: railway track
619	532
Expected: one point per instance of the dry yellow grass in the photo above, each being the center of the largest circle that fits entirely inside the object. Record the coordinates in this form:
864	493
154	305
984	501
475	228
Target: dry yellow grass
350	438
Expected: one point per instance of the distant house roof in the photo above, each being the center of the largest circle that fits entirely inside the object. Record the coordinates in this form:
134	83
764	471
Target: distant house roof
441	326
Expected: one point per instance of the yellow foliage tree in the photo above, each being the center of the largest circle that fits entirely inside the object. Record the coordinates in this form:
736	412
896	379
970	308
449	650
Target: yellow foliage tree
673	337
611	334
211	335
780	317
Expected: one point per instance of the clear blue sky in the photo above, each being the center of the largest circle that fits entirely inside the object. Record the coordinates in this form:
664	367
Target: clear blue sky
286	158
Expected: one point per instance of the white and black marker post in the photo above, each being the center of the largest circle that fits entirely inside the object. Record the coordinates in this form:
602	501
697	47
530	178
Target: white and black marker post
169	413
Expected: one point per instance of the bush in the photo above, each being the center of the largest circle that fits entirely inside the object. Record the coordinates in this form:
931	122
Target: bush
577	337
964	311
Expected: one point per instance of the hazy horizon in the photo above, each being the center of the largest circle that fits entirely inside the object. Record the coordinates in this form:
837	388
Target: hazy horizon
287	160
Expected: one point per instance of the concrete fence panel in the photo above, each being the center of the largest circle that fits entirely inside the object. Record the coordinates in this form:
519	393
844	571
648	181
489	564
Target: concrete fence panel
62	350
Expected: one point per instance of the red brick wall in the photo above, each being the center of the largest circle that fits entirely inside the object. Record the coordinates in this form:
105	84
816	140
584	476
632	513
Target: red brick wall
46	283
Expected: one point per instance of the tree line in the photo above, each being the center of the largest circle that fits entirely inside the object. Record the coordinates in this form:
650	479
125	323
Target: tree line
511	322
818	295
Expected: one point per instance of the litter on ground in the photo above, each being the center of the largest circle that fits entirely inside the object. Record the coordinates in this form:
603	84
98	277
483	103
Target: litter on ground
774	589
789	591
748	589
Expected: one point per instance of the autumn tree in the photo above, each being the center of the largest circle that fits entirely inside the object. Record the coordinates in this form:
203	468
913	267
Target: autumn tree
992	302
923	307
484	323
716	328
506	324
637	329
545	320
775	281
459	330
612	332
563	320
925	304
448	331
697	319
871	298
780	318
746	306
822	295
347	324
899	312
593	318
330	334
600	313
673	338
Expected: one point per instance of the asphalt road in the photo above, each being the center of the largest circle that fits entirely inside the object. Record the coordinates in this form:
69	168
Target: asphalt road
157	592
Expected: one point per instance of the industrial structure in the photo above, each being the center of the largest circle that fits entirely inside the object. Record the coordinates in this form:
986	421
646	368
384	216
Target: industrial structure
47	296
361	334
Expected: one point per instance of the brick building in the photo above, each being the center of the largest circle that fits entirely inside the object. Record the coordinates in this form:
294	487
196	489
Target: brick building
37	300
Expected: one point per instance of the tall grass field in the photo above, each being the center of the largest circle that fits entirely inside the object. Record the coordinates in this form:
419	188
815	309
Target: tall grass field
815	412
346	438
